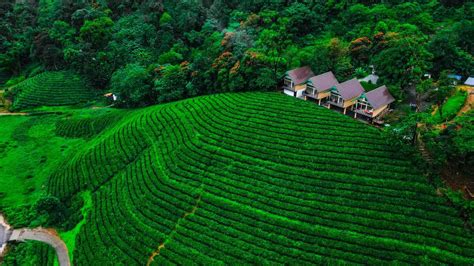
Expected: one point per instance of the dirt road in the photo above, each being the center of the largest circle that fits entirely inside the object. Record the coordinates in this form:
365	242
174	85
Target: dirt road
45	236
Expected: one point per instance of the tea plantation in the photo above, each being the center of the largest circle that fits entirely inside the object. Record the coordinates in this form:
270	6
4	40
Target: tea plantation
51	89
251	178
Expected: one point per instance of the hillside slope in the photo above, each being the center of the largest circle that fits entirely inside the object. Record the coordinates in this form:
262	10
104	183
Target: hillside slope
254	178
52	89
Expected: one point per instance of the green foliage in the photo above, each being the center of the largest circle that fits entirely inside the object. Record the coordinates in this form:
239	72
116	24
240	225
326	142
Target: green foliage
454	144
360	73
51	89
450	108
368	86
165	19
48	211
171	84
97	32
30	253
260	40
131	84
403	62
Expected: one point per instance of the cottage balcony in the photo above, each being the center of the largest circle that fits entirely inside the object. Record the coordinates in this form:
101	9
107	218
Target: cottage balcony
338	104
310	95
288	88
363	111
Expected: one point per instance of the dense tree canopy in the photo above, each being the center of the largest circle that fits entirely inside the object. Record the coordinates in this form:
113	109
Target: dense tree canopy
234	45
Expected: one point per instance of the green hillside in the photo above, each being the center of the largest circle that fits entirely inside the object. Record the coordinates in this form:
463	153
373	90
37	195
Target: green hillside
253	178
51	89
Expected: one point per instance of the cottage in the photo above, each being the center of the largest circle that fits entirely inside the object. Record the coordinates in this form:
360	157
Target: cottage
295	81
111	96
319	87
345	94
469	82
455	78
373	103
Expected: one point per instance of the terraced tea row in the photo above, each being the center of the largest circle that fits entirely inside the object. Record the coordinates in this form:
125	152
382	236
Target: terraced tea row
52	89
255	178
86	127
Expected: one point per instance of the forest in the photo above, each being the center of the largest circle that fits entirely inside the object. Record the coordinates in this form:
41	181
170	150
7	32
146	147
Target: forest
158	51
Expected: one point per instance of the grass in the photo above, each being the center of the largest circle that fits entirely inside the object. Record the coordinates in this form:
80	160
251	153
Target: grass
450	109
28	151
31	148
368	86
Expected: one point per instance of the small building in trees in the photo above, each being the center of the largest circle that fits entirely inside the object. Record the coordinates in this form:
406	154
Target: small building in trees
345	94
319	87
455	78
469	81
373	103
111	96
294	82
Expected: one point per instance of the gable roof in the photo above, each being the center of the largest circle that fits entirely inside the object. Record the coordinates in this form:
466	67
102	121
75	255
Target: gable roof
350	89
324	81
300	75
469	81
379	97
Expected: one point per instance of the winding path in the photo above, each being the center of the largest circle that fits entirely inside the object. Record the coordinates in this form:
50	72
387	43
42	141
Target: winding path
38	234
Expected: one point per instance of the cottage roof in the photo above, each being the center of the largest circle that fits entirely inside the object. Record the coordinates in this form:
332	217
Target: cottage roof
324	81
372	78
350	89
300	75
379	97
454	76
469	81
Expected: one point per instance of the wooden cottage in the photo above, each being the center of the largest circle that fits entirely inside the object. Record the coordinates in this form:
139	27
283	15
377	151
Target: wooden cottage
295	81
345	94
319	87
373	103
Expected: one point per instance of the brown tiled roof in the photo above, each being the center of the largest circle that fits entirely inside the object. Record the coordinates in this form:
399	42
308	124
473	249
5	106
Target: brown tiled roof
350	89
379	97
300	75
324	81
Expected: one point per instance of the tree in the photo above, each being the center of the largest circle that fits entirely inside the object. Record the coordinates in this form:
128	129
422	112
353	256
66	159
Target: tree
97	32
403	62
272	43
445	88
48	211
360	50
424	87
172	83
132	85
463	141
